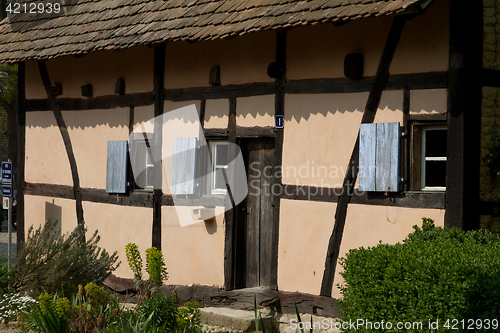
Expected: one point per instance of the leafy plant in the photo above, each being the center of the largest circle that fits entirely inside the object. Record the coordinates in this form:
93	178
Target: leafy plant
162	309
155	266
133	323
96	312
97	293
435	274
47	262
13	305
44	318
134	260
189	318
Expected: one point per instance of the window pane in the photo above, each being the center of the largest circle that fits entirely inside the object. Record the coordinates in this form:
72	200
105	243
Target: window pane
221	151
149	176
435	142
219	179
149	153
435	173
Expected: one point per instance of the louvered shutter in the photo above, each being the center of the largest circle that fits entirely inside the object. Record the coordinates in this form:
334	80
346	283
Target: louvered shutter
184	166
379	157
116	171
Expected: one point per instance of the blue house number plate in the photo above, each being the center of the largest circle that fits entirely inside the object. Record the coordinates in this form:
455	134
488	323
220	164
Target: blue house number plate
279	121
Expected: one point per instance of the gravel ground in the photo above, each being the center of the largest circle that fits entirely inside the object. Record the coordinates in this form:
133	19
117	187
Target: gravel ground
9	328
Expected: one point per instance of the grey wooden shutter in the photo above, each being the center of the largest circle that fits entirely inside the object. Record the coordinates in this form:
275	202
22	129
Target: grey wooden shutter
116	171
379	157
184	166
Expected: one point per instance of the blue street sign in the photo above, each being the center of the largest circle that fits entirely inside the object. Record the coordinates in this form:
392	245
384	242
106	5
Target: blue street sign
7	173
279	121
6	191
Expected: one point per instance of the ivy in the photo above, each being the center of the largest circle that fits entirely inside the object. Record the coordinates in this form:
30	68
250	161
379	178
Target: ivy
493	160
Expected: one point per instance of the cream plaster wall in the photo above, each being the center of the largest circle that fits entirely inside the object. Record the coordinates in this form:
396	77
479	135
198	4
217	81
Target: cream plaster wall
423	46
429	101
255	111
89	131
35	212
306	226
117	225
241	60
194	254
216	113
101	69
390	107
143	114
46	158
320	133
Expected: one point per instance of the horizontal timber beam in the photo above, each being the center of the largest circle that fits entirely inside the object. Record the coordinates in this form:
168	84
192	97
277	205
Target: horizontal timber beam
241	132
431	80
94	103
433	200
135	199
217	92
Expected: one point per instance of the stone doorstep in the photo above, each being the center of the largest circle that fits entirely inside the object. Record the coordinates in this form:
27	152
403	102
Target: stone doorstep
243	320
240	320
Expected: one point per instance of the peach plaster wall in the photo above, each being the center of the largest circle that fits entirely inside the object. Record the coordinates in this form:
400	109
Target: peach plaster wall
306	226
423	46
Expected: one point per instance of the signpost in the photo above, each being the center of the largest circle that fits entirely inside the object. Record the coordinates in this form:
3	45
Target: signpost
7	201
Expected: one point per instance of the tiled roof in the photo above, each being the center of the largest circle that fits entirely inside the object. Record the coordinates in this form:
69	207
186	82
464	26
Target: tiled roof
83	26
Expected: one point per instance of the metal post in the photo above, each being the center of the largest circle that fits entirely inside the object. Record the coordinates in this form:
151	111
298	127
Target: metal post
9	231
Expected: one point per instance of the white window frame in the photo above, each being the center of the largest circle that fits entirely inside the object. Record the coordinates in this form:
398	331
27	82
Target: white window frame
140	137
214	166
424	159
148	165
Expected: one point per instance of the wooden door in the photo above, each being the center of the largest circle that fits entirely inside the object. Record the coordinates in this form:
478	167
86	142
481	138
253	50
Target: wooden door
254	217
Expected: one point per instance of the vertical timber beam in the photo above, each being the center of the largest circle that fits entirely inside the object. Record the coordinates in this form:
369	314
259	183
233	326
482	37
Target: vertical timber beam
159	102
66	139
279	109
230	214
406	140
131	179
379	83
464	114
21	151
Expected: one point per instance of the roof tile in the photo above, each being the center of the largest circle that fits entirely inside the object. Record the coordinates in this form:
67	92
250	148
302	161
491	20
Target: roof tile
90	25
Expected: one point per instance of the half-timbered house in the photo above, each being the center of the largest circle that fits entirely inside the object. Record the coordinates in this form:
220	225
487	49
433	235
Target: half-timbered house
355	119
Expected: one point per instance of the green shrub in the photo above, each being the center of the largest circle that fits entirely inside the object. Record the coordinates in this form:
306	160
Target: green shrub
189	319
435	274
155	266
134	260
48	262
97	293
163	310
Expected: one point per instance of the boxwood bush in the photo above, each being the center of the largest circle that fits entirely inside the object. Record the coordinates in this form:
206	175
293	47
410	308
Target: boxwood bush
444	276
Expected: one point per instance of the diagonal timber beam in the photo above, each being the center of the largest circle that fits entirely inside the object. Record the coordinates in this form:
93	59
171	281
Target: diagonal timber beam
66	139
372	104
